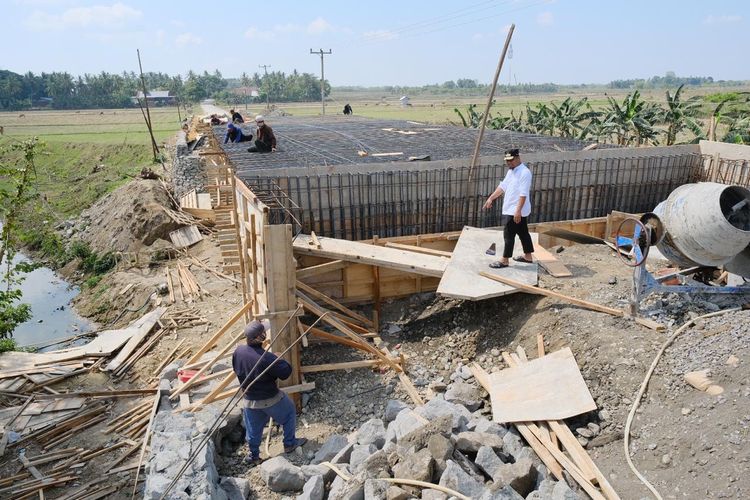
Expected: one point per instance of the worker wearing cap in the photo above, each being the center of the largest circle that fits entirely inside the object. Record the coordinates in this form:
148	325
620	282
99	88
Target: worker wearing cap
263	400
265	140
235	134
516	208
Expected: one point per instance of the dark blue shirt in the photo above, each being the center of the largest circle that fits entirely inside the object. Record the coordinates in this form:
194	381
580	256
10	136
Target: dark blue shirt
243	360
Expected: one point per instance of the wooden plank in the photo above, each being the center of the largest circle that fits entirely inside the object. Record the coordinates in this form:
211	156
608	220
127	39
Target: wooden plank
549	293
546	388
391	258
314	242
425	250
550	263
185	236
142	329
348	365
461	278
33	470
328	300
201	213
328	267
649	323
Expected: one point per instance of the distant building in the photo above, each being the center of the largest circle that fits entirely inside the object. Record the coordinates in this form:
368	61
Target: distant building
245	91
156	98
405	101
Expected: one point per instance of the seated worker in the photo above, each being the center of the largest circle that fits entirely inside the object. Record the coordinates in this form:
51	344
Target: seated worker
234	134
265	141
236	117
215	120
348	109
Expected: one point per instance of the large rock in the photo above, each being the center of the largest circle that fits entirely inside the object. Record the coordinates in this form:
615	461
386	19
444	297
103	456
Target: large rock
314	489
330	448
418	438
504	493
441	450
395	493
470	442
347	490
512	443
375	489
464	394
392	408
489	462
431	494
562	491
405	422
455	478
521	476
344	454
439	407
280	474
372	432
418	466
375	466
485	425
310	471
360	453
236	488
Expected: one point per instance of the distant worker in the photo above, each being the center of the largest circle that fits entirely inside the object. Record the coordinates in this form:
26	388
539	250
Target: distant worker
347	109
236	117
263	400
265	140
215	120
516	208
235	134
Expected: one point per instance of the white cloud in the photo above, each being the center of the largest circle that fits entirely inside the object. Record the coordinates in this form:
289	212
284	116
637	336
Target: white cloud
82	17
545	18
711	19
160	35
177	23
254	33
185	39
319	26
380	35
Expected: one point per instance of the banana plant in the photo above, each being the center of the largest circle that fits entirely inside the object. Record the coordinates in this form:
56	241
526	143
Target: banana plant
473	118
634	121
680	115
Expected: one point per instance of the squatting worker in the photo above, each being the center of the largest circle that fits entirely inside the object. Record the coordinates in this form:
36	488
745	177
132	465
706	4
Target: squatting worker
516	208
265	140
264	400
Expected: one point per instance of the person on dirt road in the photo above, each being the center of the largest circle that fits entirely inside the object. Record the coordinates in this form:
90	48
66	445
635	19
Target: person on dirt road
265	141
263	400
235	134
516	208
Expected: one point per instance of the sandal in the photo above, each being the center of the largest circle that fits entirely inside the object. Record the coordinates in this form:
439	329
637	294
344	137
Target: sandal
522	259
498	265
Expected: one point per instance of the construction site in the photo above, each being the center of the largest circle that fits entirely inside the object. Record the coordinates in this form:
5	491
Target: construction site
614	365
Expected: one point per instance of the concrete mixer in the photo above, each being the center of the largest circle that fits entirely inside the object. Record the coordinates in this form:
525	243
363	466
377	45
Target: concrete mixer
699	227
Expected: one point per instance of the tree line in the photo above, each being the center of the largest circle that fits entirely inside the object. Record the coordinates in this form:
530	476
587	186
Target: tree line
62	90
633	121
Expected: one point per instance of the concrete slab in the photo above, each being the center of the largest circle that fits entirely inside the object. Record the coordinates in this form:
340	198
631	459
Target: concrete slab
461	279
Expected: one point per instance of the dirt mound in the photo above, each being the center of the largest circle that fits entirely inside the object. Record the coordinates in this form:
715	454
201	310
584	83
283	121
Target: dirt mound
128	219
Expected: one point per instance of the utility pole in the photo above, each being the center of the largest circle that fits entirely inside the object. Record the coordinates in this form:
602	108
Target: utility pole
147	114
321	53
265	70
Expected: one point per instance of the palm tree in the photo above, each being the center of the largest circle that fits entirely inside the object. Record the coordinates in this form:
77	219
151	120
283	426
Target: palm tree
633	121
680	115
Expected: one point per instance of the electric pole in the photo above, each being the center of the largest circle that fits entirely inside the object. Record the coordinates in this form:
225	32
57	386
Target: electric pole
265	70
322	77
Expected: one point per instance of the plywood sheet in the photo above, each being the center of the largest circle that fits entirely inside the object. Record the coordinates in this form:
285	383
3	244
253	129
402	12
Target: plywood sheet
546	388
363	253
185	236
461	279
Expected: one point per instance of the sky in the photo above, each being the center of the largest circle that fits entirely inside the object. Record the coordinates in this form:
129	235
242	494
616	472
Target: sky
384	42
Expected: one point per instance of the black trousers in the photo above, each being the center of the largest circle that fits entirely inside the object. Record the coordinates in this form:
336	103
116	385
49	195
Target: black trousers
260	147
509	235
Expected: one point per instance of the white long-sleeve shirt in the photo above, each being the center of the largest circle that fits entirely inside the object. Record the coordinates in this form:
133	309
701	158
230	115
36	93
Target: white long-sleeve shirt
517	183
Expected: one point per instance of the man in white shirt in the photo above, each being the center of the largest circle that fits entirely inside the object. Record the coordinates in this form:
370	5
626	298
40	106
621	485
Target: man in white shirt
516	209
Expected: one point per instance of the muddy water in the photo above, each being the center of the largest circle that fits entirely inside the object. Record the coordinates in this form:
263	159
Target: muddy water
53	317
